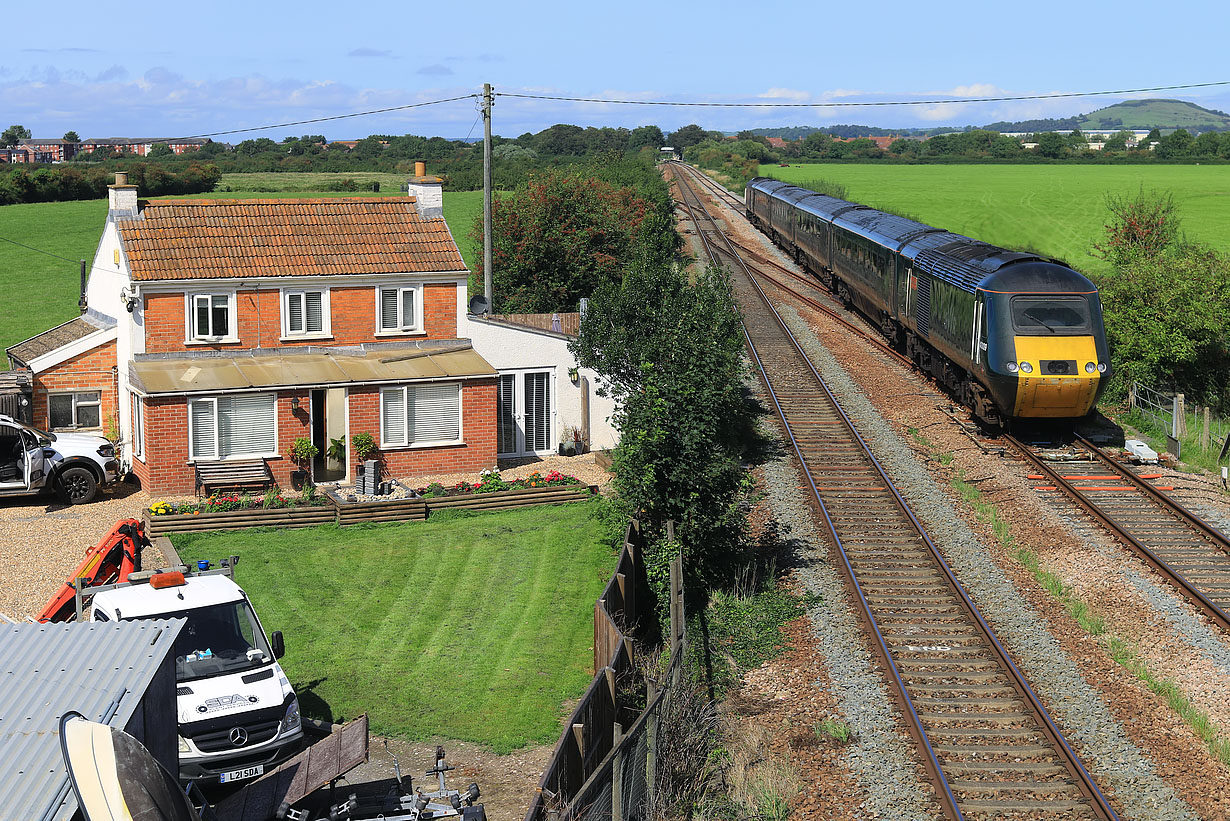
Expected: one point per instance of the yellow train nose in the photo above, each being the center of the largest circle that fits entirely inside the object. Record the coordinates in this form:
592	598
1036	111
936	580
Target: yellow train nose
1056	383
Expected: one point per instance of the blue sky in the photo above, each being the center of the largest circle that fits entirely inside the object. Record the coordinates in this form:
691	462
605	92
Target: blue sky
180	70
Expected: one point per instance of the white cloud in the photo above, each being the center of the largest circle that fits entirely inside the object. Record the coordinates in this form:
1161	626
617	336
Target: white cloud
791	94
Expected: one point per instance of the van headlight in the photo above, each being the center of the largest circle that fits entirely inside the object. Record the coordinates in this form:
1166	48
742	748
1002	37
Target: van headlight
1026	368
291	720
1090	367
183	745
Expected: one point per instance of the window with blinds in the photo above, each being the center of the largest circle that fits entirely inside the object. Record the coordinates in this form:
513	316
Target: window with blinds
306	313
506	414
226	426
397	309
420	414
537	411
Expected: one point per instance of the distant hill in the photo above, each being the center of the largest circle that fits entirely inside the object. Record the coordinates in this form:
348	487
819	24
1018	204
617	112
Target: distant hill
1133	114
1157	114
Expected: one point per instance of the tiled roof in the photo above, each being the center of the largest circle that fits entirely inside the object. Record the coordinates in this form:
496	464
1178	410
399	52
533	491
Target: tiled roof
195	239
76	328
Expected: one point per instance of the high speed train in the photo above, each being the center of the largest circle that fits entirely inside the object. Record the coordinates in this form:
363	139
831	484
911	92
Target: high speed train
1012	335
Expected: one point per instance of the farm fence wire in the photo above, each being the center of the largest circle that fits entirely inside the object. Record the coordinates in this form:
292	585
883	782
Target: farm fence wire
603	766
1170	413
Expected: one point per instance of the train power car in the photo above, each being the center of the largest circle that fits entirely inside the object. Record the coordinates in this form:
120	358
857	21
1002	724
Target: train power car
1012	335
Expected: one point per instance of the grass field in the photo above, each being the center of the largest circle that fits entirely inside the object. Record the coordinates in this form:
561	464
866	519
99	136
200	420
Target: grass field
40	291
477	628
1058	210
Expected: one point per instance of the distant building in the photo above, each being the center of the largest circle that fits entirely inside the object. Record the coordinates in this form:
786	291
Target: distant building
48	150
140	146
777	142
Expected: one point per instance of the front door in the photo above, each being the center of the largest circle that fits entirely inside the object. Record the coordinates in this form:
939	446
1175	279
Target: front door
525	417
328	428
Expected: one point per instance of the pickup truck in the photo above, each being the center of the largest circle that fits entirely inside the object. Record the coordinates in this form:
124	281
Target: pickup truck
237	711
75	465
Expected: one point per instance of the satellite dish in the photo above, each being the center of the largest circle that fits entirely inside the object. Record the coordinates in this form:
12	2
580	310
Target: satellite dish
478	305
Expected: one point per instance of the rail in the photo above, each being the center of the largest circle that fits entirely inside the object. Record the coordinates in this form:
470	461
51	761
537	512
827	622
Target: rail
856	483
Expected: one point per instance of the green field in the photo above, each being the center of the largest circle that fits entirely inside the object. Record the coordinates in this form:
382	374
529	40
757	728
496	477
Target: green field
1058	210
40	291
477	628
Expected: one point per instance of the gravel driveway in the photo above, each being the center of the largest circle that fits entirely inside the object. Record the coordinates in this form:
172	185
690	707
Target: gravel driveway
43	541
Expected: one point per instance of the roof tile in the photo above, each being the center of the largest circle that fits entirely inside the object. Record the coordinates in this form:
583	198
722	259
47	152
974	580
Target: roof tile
195	239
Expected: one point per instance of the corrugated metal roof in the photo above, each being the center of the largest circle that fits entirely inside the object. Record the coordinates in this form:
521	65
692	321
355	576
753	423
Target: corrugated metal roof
100	670
243	370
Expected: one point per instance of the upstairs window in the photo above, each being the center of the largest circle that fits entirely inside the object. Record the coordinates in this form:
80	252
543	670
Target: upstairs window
397	310
305	313
212	317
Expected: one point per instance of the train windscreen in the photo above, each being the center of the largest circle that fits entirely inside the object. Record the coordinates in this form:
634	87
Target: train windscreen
1050	314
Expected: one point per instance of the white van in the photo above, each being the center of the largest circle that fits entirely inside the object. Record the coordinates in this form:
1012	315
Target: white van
238	714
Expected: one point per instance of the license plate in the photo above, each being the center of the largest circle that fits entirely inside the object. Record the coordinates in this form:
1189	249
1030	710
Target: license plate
240	775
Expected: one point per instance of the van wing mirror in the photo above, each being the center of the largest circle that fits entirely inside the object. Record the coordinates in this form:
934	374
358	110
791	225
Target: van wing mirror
279	645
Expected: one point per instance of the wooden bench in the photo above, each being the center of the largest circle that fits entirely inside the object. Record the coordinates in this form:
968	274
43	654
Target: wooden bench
246	474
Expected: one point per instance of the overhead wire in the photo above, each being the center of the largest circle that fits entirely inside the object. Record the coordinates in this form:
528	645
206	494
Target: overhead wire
856	104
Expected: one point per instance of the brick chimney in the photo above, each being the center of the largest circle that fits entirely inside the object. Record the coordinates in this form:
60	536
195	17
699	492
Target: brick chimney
122	197
428	193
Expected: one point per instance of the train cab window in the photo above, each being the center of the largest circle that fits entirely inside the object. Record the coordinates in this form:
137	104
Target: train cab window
1056	315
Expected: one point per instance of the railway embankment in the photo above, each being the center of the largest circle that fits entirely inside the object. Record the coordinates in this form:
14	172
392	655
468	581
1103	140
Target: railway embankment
1127	666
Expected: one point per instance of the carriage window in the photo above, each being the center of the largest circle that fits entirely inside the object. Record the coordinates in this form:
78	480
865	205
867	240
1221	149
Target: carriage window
1057	315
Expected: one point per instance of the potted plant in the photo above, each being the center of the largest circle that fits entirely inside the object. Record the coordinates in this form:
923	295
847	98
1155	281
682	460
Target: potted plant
337	451
363	444
302	453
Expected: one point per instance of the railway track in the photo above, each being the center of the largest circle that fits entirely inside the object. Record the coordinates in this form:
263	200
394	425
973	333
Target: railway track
1193	556
1190	554
985	739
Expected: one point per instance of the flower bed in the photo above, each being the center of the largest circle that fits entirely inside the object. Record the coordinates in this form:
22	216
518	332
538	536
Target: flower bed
490	481
232	511
237	511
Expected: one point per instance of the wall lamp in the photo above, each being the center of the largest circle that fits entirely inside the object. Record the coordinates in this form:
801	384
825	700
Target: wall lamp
294	403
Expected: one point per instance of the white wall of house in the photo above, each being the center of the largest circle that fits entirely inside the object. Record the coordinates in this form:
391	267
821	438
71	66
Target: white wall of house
512	349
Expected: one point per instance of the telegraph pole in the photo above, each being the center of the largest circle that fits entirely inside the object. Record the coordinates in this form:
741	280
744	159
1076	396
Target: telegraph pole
487	286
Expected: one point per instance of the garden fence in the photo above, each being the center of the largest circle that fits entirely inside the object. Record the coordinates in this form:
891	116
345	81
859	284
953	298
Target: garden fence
603	766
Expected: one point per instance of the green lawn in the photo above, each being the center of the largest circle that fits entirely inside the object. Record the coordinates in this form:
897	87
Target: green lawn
1058	210
40	291
477	628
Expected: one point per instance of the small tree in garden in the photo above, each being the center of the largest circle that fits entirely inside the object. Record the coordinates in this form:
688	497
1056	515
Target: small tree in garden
303	452
363	444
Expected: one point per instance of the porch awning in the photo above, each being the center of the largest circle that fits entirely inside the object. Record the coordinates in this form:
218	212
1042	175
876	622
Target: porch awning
251	370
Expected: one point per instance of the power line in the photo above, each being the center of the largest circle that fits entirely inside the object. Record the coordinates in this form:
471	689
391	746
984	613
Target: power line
319	119
863	104
50	254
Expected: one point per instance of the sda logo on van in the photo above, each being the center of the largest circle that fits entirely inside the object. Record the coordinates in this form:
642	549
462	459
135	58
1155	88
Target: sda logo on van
213	705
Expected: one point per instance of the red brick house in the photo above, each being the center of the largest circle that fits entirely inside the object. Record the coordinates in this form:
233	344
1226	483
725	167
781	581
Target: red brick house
226	329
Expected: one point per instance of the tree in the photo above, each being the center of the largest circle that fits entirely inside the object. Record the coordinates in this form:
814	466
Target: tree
646	135
1176	145
1052	144
558	238
13	134
670	352
160	151
689	135
71	137
1143	225
1117	141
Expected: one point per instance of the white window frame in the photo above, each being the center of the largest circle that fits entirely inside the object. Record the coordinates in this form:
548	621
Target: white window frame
402	329
76	403
138	427
405	421
325	331
191	337
194	457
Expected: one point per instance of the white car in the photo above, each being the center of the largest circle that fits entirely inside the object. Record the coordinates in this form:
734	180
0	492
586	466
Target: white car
75	465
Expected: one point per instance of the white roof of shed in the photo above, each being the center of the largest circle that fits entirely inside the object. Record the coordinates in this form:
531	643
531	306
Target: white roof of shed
99	670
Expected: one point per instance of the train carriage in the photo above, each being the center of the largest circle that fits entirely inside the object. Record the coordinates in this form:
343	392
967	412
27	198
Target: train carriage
1011	334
